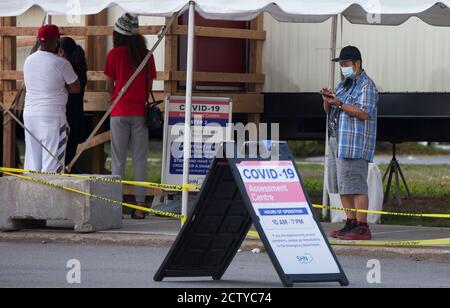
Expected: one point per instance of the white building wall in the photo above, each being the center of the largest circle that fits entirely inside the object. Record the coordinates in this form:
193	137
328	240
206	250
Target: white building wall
413	57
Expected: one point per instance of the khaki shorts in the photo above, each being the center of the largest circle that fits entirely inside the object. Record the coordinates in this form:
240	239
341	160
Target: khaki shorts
346	176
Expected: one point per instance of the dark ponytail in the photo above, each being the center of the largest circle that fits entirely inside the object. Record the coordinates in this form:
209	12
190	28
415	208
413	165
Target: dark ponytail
136	43
138	49
75	55
78	60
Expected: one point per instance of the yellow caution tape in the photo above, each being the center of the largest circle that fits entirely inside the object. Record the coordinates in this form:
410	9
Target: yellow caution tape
188	187
442	241
253	234
317	206
124	204
169	187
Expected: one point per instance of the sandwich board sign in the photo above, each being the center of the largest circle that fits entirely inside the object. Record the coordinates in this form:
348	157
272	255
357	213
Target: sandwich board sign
210	118
267	193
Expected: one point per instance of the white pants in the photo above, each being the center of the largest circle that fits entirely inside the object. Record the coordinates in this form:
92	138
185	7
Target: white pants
51	131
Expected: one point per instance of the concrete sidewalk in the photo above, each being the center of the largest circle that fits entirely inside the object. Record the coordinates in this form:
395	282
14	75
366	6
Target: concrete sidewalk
160	231
171	227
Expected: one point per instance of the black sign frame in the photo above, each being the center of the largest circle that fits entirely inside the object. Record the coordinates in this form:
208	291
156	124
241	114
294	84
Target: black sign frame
220	221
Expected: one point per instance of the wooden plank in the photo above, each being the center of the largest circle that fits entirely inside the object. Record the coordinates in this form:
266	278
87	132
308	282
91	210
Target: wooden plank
223	32
96	76
255	64
96	101
254	118
242	102
99	30
8	62
11	75
171	57
92	75
255	61
93	101
99	101
95	47
8	98
97	140
100	76
75	31
29	41
220	77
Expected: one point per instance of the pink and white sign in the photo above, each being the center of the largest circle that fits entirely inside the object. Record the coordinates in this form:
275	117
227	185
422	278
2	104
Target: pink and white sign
278	199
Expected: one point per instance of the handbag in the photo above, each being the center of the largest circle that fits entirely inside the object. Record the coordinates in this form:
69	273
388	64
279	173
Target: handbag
153	115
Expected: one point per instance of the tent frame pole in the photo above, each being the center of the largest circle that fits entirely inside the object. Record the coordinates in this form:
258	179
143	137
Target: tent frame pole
188	108
333	44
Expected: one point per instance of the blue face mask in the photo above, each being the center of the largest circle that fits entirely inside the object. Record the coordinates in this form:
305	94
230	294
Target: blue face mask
348	72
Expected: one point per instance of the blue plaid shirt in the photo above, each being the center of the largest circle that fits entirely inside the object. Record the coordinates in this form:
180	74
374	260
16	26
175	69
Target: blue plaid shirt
356	138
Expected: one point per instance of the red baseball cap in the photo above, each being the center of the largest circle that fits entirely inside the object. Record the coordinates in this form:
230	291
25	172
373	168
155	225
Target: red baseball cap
48	33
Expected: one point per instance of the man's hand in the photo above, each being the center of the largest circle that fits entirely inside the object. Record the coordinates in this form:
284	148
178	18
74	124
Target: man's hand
326	91
329	97
74	88
326	106
332	100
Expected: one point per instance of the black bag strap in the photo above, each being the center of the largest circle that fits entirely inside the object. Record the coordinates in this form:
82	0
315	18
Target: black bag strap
153	98
147	81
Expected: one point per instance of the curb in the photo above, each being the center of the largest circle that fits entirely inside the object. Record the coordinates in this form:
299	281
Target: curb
432	254
129	239
435	254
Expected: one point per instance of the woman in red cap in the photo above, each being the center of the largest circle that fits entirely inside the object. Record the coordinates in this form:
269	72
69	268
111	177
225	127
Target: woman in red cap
48	80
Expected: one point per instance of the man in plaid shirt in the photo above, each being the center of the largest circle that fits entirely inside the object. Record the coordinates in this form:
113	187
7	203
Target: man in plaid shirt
352	128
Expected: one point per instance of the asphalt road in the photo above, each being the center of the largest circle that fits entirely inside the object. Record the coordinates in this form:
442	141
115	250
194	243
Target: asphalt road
39	265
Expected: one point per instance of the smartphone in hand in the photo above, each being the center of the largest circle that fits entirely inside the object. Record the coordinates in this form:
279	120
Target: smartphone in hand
327	93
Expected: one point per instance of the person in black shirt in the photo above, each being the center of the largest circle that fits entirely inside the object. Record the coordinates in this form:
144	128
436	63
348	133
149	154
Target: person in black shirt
75	55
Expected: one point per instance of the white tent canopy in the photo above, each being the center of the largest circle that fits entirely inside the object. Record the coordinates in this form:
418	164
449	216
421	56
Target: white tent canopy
355	11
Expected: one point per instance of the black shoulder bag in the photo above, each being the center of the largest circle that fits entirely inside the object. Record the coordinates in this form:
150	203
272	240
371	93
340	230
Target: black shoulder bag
153	115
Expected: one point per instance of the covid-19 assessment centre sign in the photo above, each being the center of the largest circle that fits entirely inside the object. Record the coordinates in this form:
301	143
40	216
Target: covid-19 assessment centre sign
278	199
240	191
210	119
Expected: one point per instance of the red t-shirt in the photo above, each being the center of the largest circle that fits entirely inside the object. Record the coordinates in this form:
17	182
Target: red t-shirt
119	67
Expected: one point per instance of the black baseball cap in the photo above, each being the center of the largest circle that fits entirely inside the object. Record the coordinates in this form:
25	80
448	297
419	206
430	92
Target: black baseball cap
348	53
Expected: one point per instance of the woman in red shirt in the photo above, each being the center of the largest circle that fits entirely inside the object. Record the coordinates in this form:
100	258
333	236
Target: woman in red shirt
128	127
